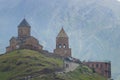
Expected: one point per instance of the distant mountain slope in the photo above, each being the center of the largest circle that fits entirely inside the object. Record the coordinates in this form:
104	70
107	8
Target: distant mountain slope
21	64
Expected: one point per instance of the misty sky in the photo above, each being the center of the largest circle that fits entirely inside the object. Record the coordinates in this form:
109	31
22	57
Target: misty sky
93	26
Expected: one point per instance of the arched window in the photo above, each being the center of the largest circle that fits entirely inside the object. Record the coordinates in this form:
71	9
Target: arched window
64	46
100	65
92	65
96	65
59	46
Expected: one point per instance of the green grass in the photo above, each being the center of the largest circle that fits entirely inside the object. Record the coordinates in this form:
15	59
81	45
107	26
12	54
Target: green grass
21	63
25	62
81	73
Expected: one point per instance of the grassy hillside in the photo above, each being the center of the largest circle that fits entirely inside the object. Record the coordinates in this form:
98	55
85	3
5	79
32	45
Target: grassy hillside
81	73
18	64
25	62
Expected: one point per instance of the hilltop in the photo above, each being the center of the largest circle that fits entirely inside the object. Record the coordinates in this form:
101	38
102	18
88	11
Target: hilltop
21	64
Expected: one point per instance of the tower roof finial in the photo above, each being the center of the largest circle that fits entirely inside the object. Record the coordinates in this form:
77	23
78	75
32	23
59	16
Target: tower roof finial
24	23
62	33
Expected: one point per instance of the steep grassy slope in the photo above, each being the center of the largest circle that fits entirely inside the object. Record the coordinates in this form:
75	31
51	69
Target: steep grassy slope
19	64
26	62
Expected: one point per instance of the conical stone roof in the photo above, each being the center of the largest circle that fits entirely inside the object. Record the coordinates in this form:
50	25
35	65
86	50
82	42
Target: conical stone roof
62	33
24	23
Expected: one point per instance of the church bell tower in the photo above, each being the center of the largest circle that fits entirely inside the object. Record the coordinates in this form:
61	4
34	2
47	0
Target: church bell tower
62	44
24	29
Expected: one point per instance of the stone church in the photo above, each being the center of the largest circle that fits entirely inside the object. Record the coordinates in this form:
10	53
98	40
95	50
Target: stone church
24	39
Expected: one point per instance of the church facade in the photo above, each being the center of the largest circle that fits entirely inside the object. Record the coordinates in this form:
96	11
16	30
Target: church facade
24	39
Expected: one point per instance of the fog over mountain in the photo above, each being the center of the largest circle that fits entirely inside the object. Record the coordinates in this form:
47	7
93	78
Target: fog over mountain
92	26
